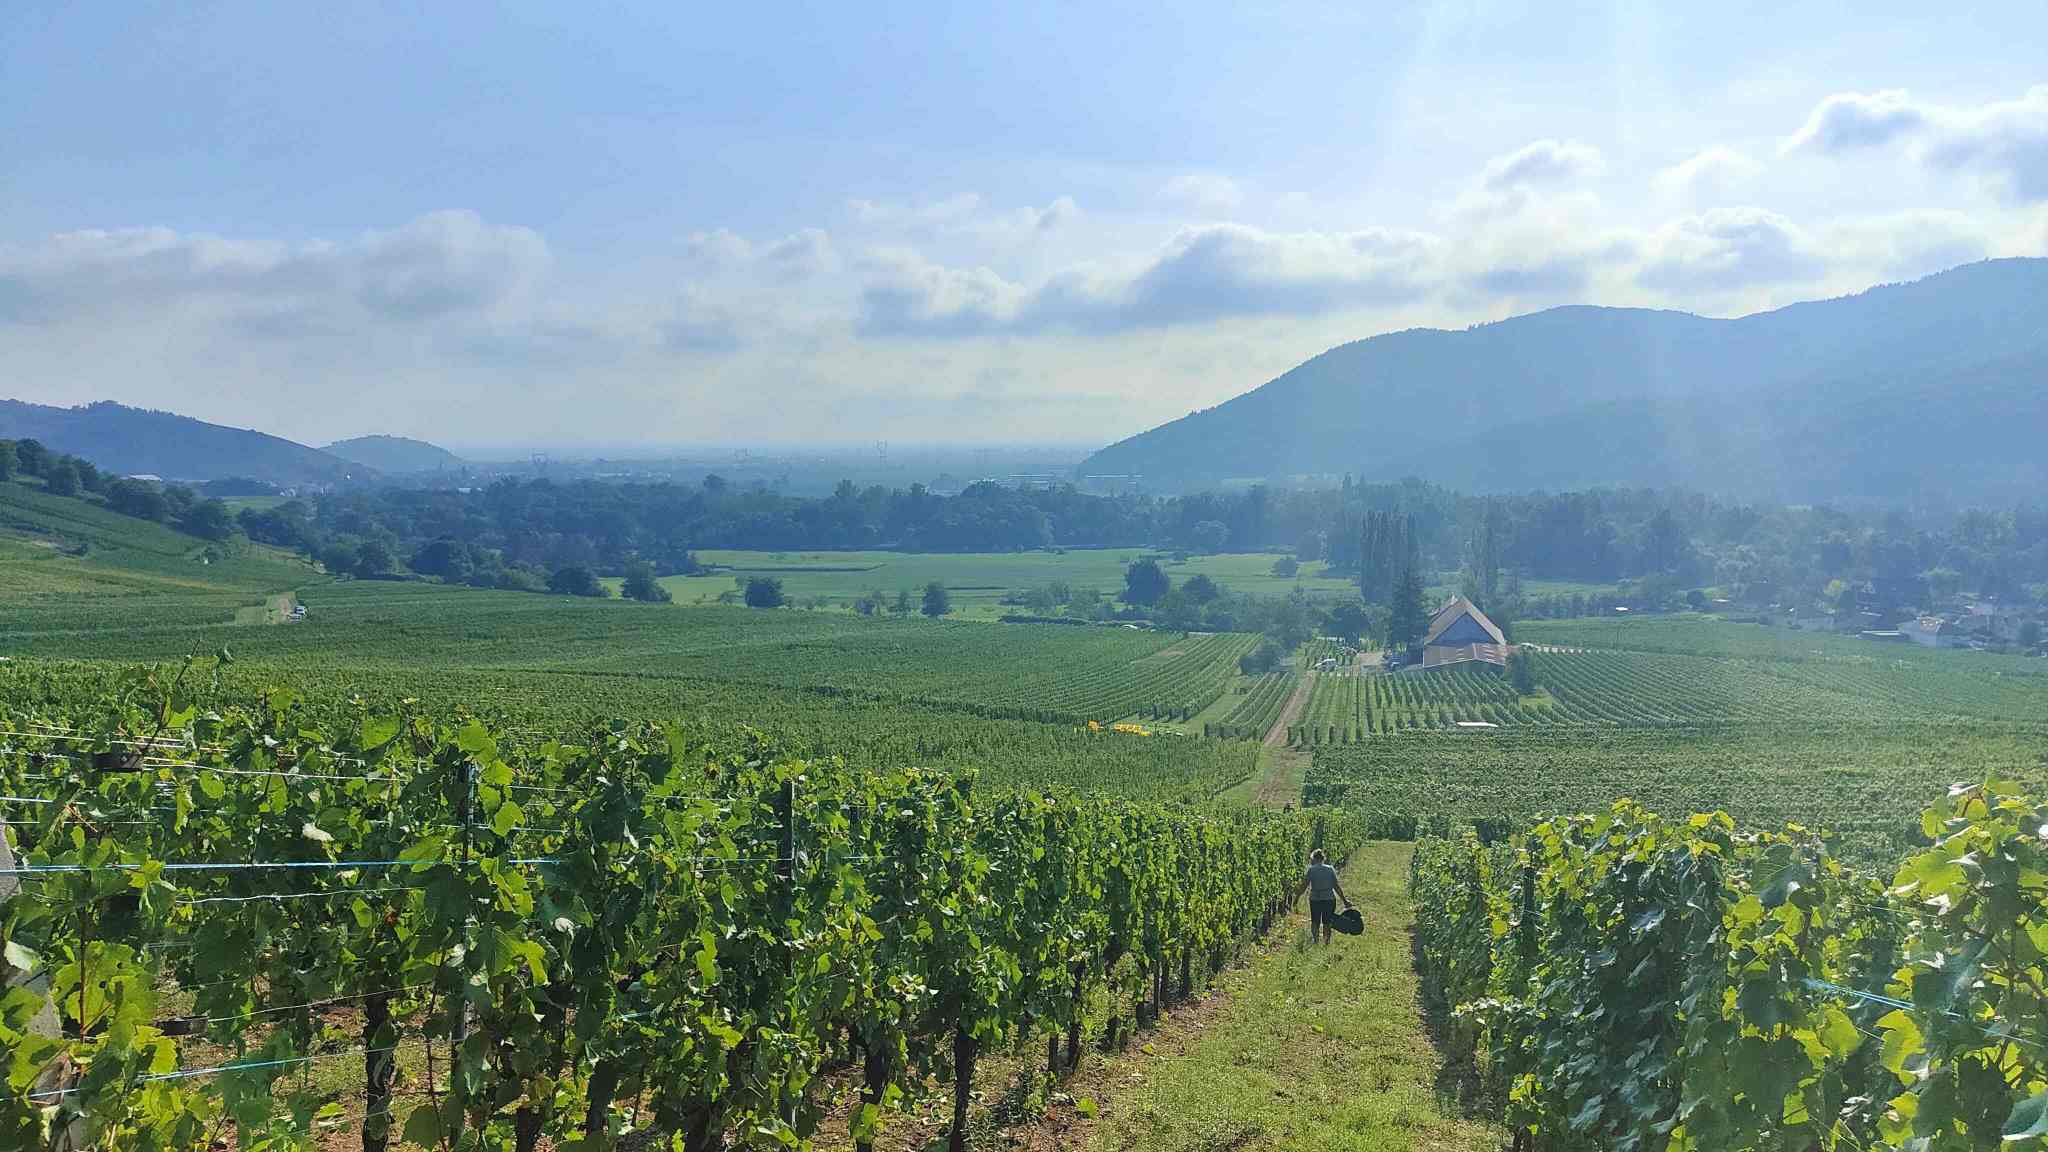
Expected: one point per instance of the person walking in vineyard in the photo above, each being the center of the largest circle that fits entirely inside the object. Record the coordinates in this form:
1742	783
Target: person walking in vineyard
1323	893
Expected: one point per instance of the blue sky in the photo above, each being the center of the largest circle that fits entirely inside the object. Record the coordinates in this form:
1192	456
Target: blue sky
637	223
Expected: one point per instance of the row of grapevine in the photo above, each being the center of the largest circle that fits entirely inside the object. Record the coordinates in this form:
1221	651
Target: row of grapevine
564	941
1199	672
1255	714
1626	981
1862	781
862	731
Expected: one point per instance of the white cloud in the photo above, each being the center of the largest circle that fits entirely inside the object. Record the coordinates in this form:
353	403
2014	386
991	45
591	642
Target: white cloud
962	217
1848	120
438	265
1542	163
1711	172
2008	141
909	294
1907	245
800	254
1203	273
2005	142
718	248
1729	249
1206	192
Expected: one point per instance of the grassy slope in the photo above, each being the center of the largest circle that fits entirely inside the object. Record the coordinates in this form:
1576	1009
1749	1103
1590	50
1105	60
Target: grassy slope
57	549
1321	1049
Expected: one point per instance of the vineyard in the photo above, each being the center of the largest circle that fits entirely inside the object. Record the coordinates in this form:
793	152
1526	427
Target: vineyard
1649	690
274	918
1866	782
1624	981
1063	675
1258	711
863	732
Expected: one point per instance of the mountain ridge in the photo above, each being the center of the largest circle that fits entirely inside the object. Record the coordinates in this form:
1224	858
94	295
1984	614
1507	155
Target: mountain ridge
133	441
1390	405
394	454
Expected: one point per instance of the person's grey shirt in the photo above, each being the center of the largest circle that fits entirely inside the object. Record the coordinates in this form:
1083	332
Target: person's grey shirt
1322	882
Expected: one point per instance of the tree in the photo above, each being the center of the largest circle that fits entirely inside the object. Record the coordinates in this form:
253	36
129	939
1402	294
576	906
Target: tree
1664	544
1482	565
764	592
288	525
62	477
1521	672
1388	546
374	559
1145	582
902	606
1177	612
1209	536
1261	660
1200	589
1312	546
1286	567
89	478
446	558
576	580
10	462
641	585
337	556
1409	621
210	520
138	498
936	602
33	456
1349	620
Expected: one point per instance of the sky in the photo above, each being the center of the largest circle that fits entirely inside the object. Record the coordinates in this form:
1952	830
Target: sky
651	223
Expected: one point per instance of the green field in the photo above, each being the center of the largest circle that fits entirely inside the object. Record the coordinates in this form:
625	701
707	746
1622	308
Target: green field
979	582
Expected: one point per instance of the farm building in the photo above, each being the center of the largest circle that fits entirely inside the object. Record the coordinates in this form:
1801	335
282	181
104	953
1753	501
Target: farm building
1932	632
1460	632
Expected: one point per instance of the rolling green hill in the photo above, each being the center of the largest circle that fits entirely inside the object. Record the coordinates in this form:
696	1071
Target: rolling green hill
69	563
394	454
1896	393
128	441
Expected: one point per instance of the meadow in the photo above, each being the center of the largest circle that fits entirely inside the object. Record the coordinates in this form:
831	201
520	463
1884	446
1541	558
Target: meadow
978	583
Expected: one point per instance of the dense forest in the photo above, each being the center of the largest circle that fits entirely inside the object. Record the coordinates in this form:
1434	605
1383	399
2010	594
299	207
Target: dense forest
1750	551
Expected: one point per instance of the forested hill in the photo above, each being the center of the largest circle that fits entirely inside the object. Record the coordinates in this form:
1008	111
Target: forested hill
394	454
129	441
1903	392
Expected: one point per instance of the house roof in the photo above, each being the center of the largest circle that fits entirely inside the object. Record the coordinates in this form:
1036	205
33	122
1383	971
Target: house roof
1457	609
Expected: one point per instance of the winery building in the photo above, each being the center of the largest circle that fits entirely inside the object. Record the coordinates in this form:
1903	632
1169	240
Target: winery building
1459	633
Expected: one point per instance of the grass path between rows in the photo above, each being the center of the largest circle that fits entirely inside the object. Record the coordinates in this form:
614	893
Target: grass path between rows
1303	1049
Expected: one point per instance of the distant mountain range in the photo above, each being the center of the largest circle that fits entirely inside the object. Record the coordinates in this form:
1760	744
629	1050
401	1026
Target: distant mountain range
394	454
141	441
1933	389
130	441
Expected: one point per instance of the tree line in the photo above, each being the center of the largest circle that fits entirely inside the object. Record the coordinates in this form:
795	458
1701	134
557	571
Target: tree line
523	534
174	505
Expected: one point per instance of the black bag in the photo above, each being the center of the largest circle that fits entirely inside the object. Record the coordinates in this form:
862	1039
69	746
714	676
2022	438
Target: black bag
1350	922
